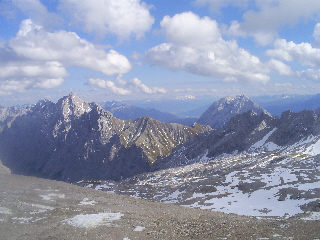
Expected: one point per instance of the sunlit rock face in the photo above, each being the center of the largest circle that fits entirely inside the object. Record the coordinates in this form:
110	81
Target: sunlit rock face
72	140
220	112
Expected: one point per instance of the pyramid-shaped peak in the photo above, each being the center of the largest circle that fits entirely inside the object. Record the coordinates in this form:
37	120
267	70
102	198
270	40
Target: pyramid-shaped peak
220	112
73	105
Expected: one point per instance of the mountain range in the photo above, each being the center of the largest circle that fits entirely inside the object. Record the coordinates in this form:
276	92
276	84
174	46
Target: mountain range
256	165
127	111
72	140
241	159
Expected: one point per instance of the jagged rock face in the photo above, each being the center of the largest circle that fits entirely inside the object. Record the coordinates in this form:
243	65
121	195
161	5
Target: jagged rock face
248	132
295	126
241	131
73	140
157	138
7	115
220	112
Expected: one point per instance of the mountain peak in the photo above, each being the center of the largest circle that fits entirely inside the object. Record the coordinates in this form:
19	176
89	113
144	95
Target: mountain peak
220	112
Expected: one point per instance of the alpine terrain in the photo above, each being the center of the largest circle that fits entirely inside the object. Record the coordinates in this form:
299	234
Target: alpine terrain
220	112
73	140
256	165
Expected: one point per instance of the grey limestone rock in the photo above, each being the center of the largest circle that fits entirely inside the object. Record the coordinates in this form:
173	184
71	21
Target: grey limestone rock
220	112
73	140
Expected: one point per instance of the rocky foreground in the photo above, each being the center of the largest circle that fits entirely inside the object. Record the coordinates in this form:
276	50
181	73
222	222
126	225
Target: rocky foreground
34	208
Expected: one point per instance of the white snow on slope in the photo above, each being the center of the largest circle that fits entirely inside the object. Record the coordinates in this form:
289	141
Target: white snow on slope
93	220
262	142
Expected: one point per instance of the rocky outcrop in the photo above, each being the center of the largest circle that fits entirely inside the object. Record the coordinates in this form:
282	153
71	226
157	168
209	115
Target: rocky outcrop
248	132
73	140
220	112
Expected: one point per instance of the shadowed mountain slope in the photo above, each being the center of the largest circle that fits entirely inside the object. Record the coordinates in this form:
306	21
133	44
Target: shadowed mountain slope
72	140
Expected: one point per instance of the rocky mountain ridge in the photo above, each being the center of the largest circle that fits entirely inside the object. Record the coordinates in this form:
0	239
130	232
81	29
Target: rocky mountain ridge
256	165
72	140
221	111
247	132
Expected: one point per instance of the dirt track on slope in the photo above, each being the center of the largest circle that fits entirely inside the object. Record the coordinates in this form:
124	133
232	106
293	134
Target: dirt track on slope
33	208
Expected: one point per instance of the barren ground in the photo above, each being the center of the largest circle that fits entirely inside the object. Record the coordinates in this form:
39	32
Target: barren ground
33	208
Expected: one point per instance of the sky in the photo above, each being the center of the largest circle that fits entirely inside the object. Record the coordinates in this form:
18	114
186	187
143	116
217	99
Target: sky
105	50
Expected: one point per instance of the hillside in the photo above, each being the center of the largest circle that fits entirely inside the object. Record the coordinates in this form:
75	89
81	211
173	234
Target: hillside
33	208
256	165
73	140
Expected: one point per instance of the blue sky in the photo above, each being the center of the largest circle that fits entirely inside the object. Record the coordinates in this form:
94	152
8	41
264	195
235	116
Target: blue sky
130	49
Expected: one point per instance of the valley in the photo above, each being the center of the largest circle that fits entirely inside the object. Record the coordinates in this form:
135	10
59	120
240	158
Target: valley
255	165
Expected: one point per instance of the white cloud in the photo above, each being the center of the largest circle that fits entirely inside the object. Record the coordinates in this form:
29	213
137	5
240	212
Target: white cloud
34	43
280	67
32	70
120	17
290	51
195	45
137	83
188	29
37	58
109	85
304	53
263	24
49	83
35	10
9	87
316	35
309	74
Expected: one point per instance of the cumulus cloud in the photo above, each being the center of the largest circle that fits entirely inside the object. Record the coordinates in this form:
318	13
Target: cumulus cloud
304	53
280	67
34	43
137	83
134	84
188	29
196	46
109	85
290	51
120	17
9	87
37	58
12	70
263	24
316	35
309	74
33	9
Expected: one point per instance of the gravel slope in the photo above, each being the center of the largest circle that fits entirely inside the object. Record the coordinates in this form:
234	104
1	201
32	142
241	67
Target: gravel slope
33	208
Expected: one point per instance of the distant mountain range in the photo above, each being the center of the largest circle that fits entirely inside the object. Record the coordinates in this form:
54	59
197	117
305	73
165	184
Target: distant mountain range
72	139
125	111
251	162
278	104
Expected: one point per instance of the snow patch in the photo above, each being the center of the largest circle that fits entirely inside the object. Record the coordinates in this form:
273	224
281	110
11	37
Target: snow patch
138	229
313	216
93	220
49	196
4	210
87	202
260	143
